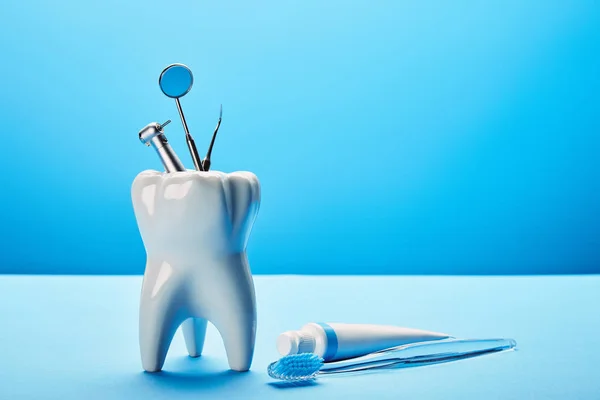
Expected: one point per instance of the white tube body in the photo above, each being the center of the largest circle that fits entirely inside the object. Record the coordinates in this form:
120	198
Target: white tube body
338	341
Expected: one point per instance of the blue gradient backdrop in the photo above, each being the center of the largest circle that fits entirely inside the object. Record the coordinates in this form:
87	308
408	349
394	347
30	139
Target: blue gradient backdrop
389	137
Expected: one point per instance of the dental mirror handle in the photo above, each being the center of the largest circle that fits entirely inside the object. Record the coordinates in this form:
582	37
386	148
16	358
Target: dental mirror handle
194	152
189	140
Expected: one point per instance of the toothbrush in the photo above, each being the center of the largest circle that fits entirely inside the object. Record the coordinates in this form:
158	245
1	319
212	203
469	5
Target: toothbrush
308	366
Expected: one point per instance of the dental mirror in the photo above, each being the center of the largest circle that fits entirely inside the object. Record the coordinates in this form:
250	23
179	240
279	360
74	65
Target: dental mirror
176	81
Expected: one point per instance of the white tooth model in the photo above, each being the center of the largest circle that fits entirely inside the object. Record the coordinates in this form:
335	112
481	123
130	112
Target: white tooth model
195	227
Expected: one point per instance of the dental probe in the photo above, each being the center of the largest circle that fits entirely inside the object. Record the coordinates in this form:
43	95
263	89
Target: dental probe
206	161
152	134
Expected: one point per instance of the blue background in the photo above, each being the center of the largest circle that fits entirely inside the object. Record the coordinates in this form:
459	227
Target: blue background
427	137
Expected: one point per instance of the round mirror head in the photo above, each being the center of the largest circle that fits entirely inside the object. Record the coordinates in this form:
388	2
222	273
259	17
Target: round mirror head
176	80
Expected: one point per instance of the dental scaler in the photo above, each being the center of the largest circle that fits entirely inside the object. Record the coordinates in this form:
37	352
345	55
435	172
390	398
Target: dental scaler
206	161
153	135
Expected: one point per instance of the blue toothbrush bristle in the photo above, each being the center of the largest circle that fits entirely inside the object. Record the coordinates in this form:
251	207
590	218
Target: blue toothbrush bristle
297	367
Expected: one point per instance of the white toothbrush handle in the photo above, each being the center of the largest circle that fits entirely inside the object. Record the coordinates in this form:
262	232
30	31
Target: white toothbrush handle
420	354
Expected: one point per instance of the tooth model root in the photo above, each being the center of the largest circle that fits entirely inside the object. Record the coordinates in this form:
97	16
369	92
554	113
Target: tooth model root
235	319
194	332
158	322
195	227
239	343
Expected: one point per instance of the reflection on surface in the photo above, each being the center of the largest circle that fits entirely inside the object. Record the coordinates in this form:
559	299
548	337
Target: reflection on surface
176	191
163	276
148	193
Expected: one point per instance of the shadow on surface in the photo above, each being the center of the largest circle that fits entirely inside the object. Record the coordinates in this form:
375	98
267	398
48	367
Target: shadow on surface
290	385
203	373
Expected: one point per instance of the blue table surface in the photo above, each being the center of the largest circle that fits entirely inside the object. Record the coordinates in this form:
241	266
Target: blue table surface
77	338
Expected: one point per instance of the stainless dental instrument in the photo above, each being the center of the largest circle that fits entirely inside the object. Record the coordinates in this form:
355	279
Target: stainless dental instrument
176	81
152	134
206	161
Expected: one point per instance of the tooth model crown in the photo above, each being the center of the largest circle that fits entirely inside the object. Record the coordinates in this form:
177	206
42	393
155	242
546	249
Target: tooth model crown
195	227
